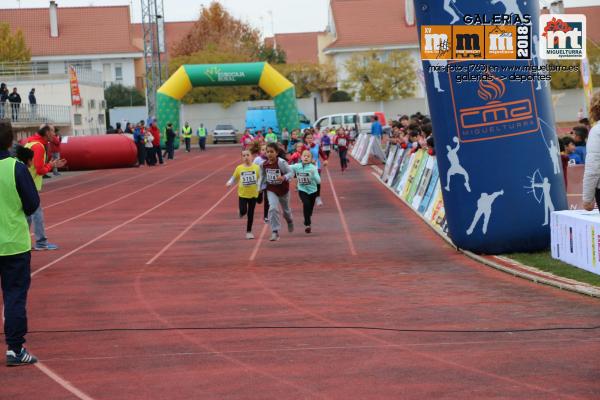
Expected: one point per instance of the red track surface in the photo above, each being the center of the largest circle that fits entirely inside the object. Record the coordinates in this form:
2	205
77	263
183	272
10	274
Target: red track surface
162	249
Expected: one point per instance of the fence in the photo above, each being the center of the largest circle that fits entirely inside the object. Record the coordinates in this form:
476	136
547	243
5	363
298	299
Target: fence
17	71
30	114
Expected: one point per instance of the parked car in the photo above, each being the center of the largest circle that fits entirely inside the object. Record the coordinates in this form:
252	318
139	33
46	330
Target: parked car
224	133
360	121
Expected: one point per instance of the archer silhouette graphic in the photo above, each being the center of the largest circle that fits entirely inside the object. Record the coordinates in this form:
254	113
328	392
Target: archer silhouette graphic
455	167
484	209
543	184
553	150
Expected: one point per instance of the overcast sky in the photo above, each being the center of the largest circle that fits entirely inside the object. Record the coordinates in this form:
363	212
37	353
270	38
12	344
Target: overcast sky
288	15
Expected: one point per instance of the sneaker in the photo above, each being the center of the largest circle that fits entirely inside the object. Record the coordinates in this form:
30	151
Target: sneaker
274	237
266	220
319	202
23	358
290	227
307	229
249	236
47	246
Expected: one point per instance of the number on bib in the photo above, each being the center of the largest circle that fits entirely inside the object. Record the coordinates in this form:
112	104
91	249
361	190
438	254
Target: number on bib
248	178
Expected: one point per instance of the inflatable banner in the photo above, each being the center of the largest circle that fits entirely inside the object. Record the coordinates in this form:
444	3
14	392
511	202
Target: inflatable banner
496	145
262	74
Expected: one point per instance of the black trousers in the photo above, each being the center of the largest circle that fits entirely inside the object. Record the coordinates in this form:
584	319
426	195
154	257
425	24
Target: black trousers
202	142
308	205
15	272
343	152
141	149
188	144
158	153
247	207
169	150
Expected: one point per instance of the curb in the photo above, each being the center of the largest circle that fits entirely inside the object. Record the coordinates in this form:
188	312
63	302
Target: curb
505	264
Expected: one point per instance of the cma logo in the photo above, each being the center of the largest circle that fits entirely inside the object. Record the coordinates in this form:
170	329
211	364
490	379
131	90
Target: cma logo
563	36
497	117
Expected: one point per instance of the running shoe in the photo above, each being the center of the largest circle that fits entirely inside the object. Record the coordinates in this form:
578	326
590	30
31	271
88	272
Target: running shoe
249	236
291	227
47	246
266	220
274	237
307	229
23	358
319	202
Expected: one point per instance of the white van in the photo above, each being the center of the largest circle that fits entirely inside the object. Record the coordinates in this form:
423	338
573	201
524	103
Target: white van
361	121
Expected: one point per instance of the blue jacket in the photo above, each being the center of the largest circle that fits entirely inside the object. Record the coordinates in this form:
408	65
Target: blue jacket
376	129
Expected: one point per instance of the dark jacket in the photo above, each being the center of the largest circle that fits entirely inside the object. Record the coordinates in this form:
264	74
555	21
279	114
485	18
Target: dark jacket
32	99
14	98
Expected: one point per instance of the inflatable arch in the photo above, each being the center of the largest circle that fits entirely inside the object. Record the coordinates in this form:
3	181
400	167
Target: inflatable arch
169	95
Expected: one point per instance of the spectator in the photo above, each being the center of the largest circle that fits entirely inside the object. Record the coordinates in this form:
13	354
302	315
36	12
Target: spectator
54	150
170	142
585	122
38	143
202	137
376	129
118	128
591	176
128	128
32	99
139	137
154	152
580	135
15	103
3	99
19	199
570	151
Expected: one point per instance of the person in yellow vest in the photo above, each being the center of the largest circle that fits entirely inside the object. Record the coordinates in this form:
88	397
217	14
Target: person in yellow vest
40	167
18	200
202	137
186	132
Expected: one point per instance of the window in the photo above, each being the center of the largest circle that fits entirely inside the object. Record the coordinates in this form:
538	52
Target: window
322	123
40	67
103	104
77	119
119	73
92	104
349	119
336	120
83	64
366	119
101	119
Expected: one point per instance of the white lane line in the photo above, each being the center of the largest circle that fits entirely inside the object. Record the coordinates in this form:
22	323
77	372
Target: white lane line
62	382
83	246
190	226
260	239
342	217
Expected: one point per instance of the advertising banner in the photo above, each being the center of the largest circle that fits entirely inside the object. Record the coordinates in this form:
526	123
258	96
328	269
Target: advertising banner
75	94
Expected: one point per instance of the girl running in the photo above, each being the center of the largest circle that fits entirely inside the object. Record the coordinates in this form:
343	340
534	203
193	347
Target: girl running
275	174
308	178
316	152
247	140
326	144
342	142
256	149
248	176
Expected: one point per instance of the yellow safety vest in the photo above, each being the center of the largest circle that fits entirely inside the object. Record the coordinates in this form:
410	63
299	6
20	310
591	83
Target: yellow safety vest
187	132
202	132
14	231
37	179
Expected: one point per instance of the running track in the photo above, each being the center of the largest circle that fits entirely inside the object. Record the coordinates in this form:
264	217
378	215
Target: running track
156	295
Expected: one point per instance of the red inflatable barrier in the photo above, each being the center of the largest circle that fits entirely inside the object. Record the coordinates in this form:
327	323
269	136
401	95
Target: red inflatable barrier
98	152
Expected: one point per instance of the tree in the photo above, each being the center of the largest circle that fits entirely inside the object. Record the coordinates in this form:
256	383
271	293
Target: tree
13	47
311	78
340	96
217	28
272	55
224	95
122	96
374	79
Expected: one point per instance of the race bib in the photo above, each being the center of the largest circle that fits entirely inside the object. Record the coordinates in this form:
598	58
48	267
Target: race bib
342	142
304	178
326	148
248	178
273	176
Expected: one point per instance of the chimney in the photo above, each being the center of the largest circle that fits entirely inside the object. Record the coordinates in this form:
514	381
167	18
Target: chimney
53	19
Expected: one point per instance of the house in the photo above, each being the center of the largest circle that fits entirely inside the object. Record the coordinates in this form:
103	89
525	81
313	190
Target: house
97	38
299	48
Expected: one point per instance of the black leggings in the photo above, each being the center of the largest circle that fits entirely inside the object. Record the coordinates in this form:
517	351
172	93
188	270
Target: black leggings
308	203
247	208
343	152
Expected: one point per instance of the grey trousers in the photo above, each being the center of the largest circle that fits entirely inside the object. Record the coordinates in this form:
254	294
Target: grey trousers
37	218
274	202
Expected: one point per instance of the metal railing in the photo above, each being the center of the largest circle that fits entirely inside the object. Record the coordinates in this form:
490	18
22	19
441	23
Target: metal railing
33	114
15	71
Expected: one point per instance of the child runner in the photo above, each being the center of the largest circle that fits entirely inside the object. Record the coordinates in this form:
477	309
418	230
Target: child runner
271	137
316	152
292	144
247	140
248	176
342	142
326	144
308	179
297	155
259	159
276	174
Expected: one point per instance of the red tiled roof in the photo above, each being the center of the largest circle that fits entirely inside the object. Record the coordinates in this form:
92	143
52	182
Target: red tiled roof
592	15
174	32
370	23
299	47
81	30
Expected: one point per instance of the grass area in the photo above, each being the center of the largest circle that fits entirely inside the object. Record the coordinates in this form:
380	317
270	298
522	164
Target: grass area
544	261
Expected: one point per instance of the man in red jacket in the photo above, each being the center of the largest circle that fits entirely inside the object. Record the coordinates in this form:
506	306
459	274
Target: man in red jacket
156	143
40	167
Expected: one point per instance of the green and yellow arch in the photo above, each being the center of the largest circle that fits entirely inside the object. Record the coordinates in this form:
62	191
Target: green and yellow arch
168	97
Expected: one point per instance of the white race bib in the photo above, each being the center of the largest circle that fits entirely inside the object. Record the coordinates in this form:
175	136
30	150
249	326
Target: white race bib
248	178
273	176
326	148
342	142
304	178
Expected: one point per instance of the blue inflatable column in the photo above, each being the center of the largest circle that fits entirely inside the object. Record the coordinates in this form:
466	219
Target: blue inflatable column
495	138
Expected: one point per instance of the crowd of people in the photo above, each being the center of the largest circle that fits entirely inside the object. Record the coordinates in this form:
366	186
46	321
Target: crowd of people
12	100
573	145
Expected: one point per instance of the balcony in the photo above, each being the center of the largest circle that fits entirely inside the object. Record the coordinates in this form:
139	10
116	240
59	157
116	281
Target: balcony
19	71
26	115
